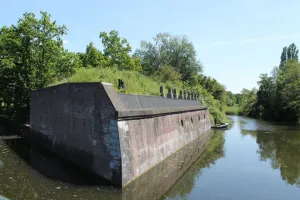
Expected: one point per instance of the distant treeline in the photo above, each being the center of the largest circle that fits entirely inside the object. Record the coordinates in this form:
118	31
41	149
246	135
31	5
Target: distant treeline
278	95
32	56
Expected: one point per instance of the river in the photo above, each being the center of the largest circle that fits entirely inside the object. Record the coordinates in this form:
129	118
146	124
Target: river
251	160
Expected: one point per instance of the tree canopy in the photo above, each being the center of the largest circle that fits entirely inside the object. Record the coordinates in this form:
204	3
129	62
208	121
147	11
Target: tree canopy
117	52
167	50
289	53
32	56
278	95
93	57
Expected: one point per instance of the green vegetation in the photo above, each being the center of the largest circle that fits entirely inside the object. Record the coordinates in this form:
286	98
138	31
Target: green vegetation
232	110
33	56
278	95
135	82
175	51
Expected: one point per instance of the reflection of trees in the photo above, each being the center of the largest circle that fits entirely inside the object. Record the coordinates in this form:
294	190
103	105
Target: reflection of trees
245	132
249	132
284	152
282	149
214	151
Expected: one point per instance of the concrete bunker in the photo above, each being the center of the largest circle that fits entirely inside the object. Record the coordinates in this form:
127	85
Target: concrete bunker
117	136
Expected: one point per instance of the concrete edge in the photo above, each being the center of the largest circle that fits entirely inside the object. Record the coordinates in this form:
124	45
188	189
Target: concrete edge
69	83
142	113
113	96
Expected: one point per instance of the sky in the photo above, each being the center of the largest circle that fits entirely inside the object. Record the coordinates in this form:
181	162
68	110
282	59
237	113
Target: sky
236	40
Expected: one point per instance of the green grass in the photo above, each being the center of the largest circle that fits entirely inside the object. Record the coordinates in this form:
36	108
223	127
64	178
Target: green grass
233	110
136	83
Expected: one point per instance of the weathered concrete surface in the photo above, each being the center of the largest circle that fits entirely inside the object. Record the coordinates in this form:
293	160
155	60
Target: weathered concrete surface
146	142
92	125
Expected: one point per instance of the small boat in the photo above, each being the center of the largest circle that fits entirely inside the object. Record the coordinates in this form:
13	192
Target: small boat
220	126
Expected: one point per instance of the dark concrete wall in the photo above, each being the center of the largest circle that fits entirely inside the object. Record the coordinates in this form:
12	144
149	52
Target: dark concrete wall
78	121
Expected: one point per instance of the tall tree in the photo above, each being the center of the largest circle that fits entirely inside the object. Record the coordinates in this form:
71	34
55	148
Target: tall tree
248	102
230	98
32	56
93	57
168	50
289	53
289	88
283	56
292	52
213	87
117	51
266	97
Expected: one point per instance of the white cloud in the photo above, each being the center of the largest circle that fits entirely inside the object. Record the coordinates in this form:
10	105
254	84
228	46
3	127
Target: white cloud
66	41
256	40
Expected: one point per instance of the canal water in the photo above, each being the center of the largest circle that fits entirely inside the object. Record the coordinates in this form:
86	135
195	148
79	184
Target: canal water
251	160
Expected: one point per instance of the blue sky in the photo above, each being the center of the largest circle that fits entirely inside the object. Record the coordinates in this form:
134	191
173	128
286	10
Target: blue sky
236	40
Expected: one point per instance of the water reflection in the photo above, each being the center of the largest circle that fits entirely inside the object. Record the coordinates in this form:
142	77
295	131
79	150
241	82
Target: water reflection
214	151
279	145
283	150
162	178
28	172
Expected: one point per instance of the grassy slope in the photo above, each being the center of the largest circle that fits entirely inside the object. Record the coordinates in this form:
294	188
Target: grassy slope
233	110
134	81
137	83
